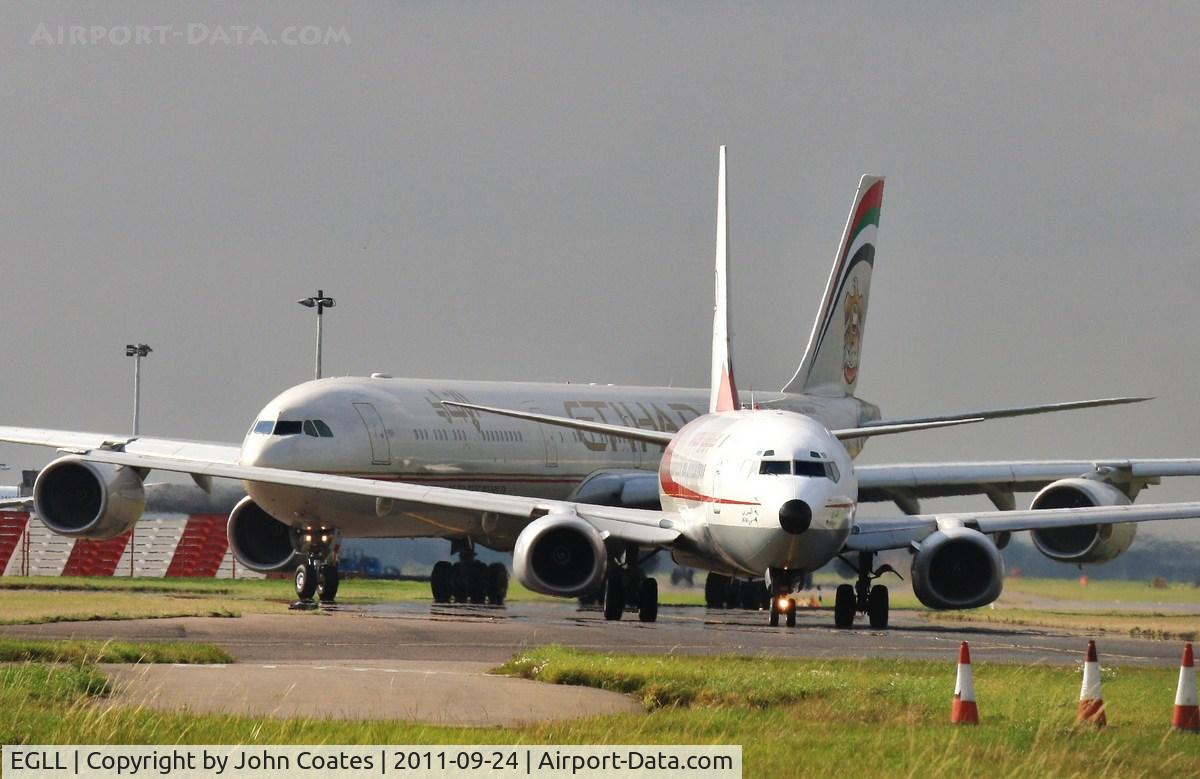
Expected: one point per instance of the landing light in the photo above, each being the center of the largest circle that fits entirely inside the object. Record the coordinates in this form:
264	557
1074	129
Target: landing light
783	603
308	537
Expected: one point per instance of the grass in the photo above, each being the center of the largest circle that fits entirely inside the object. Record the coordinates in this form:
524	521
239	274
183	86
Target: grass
1172	627
38	606
877	715
87	652
1100	591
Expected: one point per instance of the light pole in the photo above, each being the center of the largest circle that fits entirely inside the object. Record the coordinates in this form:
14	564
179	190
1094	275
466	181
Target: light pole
137	352
320	303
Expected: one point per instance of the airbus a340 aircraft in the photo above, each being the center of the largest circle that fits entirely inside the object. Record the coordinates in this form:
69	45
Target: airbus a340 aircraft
738	492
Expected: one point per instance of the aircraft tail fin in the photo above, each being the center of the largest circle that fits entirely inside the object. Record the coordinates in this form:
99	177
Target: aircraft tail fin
723	395
830	363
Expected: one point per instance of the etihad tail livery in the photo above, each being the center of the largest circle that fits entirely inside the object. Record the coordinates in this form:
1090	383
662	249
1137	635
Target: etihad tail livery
830	364
741	493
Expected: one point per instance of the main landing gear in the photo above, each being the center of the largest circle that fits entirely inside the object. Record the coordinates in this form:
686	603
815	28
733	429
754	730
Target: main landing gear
627	586
318	574
862	597
469	580
724	592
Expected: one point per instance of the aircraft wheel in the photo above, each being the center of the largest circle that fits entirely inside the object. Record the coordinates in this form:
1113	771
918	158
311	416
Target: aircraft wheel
714	590
459	584
497	584
791	615
648	600
441	581
750	595
844	605
733	594
614	597
773	621
877	607
477	581
306	581
327	587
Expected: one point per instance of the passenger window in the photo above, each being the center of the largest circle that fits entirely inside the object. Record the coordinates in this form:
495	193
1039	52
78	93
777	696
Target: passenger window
775	467
264	426
290	427
310	428
322	429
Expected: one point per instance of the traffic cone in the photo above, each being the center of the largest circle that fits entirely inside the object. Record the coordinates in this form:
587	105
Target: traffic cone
963	710
1091	699
1187	715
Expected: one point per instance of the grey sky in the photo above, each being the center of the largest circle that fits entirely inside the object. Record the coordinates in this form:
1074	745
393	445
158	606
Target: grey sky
526	191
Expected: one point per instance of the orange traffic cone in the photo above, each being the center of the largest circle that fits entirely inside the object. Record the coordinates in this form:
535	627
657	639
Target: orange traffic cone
1187	715
1091	699
963	710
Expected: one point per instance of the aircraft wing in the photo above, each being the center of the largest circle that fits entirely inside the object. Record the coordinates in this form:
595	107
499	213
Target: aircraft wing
23	503
1012	411
635	433
936	480
74	441
662	439
875	535
645	528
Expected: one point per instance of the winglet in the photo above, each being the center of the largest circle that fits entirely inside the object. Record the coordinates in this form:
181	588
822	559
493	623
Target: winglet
723	395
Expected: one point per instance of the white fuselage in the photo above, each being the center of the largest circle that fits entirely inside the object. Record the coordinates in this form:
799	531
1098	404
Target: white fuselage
729	475
398	429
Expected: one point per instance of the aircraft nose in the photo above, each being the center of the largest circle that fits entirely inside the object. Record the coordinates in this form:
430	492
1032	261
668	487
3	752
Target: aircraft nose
795	516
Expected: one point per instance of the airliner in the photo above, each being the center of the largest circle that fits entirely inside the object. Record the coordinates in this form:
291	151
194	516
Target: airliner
580	504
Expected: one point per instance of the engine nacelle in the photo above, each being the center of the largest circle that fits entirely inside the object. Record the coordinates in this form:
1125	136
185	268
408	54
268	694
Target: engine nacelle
1082	543
84	499
630	489
957	568
560	555
258	540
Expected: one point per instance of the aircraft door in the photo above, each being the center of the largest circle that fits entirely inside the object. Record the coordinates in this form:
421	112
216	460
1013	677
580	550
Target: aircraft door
381	450
549	439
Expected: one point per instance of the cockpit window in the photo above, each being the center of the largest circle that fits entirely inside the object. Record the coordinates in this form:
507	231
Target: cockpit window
820	469
288	427
809	468
264	426
309	428
322	429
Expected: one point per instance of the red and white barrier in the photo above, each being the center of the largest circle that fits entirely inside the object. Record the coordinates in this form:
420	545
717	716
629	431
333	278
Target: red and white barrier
174	545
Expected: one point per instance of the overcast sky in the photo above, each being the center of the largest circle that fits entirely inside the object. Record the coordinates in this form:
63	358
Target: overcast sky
526	191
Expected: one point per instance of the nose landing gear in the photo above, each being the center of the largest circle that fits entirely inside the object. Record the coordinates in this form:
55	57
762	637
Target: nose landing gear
318	574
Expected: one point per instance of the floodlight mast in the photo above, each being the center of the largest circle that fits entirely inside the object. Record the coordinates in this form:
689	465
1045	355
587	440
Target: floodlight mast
137	352
320	302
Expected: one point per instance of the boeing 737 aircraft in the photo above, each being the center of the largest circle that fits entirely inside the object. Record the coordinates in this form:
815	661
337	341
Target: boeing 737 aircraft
579	505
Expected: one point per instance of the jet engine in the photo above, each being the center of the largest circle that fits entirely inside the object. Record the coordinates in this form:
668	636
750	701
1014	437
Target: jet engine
560	555
258	540
1082	543
84	499
630	489
957	568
